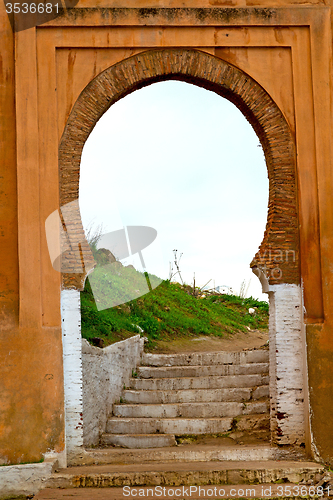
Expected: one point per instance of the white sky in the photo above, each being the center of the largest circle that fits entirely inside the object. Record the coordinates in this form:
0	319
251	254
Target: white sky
184	161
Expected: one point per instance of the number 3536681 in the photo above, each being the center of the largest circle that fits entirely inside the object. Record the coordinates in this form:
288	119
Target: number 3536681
32	8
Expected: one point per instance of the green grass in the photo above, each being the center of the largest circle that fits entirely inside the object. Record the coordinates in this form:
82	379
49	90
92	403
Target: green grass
167	312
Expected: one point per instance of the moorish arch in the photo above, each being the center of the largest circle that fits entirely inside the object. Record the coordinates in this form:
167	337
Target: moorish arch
211	73
277	261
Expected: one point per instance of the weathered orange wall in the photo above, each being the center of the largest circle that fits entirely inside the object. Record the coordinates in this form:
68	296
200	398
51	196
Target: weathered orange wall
8	203
31	389
286	48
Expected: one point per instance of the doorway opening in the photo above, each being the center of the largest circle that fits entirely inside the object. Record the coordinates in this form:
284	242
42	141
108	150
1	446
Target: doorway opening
280	241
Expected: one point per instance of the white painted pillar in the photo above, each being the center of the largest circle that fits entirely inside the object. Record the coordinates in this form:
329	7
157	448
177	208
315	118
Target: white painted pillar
287	378
72	354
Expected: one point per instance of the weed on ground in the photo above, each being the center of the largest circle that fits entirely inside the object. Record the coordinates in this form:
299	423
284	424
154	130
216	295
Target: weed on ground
169	311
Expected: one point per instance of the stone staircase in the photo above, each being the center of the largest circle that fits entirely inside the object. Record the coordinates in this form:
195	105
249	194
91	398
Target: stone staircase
221	393
183	422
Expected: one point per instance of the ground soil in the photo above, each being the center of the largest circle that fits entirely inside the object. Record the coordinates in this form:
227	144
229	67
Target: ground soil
253	339
261	437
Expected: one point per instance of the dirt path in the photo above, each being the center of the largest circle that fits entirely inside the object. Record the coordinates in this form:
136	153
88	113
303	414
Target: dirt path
236	342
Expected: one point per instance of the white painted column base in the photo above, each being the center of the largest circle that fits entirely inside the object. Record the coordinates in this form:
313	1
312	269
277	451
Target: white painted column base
72	355
287	377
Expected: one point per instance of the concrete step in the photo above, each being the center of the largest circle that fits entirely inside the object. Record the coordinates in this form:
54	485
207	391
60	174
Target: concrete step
145	421
190	410
201	371
206	358
196	395
210	491
180	453
139	440
214	382
183	426
186	473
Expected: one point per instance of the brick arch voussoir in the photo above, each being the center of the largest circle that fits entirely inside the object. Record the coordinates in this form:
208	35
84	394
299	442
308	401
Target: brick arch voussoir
193	66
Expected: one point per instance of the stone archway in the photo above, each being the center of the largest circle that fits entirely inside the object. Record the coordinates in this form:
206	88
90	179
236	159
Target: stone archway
277	261
207	71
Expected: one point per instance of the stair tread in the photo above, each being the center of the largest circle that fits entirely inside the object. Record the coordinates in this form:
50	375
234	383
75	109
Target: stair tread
193	403
183	448
207	382
223	465
201	366
138	434
226	369
206	358
188	473
158	396
177	419
185	390
253	375
194	410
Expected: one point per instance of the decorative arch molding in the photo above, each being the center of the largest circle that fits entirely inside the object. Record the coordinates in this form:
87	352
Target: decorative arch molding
278	255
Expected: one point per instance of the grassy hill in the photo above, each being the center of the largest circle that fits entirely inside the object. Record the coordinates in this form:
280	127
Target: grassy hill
167	312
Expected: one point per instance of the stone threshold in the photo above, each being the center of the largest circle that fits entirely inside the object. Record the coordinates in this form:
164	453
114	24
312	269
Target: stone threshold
186	474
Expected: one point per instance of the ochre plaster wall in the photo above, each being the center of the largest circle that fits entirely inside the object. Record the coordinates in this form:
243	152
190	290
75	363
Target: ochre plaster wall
8	199
284	46
31	389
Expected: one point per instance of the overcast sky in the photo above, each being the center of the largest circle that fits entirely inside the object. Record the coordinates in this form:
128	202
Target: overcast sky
186	162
